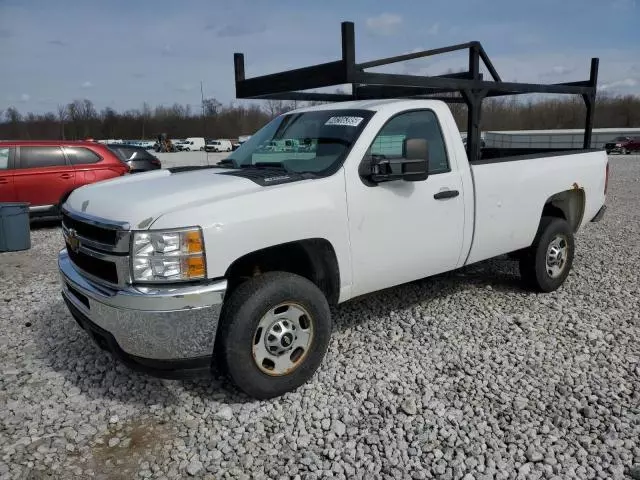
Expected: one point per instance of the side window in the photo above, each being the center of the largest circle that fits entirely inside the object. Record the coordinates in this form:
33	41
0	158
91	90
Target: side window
36	157
124	153
419	124
140	153
81	156
4	158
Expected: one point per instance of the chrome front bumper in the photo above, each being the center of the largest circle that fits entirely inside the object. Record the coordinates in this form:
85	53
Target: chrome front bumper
153	323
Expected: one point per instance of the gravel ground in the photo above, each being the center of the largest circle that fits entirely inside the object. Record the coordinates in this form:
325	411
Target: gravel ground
462	376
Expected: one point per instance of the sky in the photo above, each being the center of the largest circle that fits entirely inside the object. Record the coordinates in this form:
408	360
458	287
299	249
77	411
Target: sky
121	53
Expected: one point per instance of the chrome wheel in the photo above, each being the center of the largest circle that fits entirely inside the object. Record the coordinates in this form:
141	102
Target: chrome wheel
557	255
282	339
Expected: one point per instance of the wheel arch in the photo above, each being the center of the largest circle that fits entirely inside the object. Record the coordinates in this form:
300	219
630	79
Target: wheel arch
568	205
314	259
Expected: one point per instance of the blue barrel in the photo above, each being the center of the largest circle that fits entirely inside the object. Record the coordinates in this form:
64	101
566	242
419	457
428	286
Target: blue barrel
15	232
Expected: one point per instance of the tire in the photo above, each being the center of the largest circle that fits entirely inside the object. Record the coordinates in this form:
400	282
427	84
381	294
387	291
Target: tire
247	320
539	269
624	151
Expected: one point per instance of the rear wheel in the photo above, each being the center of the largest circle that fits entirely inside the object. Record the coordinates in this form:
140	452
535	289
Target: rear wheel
546	264
274	333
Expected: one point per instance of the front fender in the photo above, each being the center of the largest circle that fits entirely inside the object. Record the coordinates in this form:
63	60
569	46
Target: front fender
239	225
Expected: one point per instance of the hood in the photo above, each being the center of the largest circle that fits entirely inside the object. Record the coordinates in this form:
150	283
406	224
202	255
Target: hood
141	198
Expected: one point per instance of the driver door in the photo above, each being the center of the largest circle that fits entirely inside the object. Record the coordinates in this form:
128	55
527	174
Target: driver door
401	231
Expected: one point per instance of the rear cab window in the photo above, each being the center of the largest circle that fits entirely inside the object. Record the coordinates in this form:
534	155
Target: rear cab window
421	124
39	157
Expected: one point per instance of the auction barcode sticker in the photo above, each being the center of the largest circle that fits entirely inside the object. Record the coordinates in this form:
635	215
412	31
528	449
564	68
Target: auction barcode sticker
344	121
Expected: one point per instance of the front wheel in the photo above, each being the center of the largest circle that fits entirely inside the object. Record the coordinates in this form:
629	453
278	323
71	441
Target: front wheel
624	151
274	333
545	265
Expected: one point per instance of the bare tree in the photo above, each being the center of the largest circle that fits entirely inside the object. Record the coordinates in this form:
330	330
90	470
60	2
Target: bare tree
14	118
277	107
63	114
146	115
211	107
79	119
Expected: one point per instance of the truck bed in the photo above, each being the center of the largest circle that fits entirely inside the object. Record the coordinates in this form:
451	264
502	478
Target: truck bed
511	191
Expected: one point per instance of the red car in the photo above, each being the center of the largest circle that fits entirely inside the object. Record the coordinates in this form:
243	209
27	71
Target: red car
44	173
623	145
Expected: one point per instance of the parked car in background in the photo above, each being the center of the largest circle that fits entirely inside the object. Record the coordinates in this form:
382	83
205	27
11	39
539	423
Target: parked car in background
241	140
44	173
190	144
181	145
137	158
148	144
623	145
195	143
218	145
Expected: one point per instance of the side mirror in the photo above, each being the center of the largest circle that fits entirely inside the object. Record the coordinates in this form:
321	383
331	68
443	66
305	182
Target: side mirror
413	167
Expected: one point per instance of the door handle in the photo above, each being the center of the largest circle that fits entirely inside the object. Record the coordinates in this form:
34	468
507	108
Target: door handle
4	181
446	194
65	175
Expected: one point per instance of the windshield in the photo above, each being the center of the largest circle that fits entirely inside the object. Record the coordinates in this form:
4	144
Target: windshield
307	142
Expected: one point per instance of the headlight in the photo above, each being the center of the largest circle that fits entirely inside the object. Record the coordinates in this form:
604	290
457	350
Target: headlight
168	256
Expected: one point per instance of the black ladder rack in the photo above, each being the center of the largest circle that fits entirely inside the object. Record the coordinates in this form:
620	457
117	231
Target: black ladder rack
466	87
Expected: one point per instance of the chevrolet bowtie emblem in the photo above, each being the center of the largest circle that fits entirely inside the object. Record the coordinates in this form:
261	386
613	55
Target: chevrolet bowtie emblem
73	240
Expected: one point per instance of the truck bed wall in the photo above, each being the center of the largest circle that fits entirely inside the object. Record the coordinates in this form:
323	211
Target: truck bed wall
511	193
491	153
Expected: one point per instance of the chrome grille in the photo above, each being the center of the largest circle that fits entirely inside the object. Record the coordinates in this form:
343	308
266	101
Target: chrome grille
98	248
98	233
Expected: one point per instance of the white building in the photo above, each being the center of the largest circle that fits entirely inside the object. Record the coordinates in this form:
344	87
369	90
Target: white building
555	138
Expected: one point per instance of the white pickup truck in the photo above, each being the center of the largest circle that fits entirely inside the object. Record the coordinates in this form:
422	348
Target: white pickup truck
240	262
164	266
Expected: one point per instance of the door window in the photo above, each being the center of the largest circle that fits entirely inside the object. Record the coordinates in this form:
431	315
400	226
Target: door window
423	124
37	157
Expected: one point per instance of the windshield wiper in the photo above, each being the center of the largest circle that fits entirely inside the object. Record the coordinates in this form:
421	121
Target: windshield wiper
279	166
226	162
267	165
